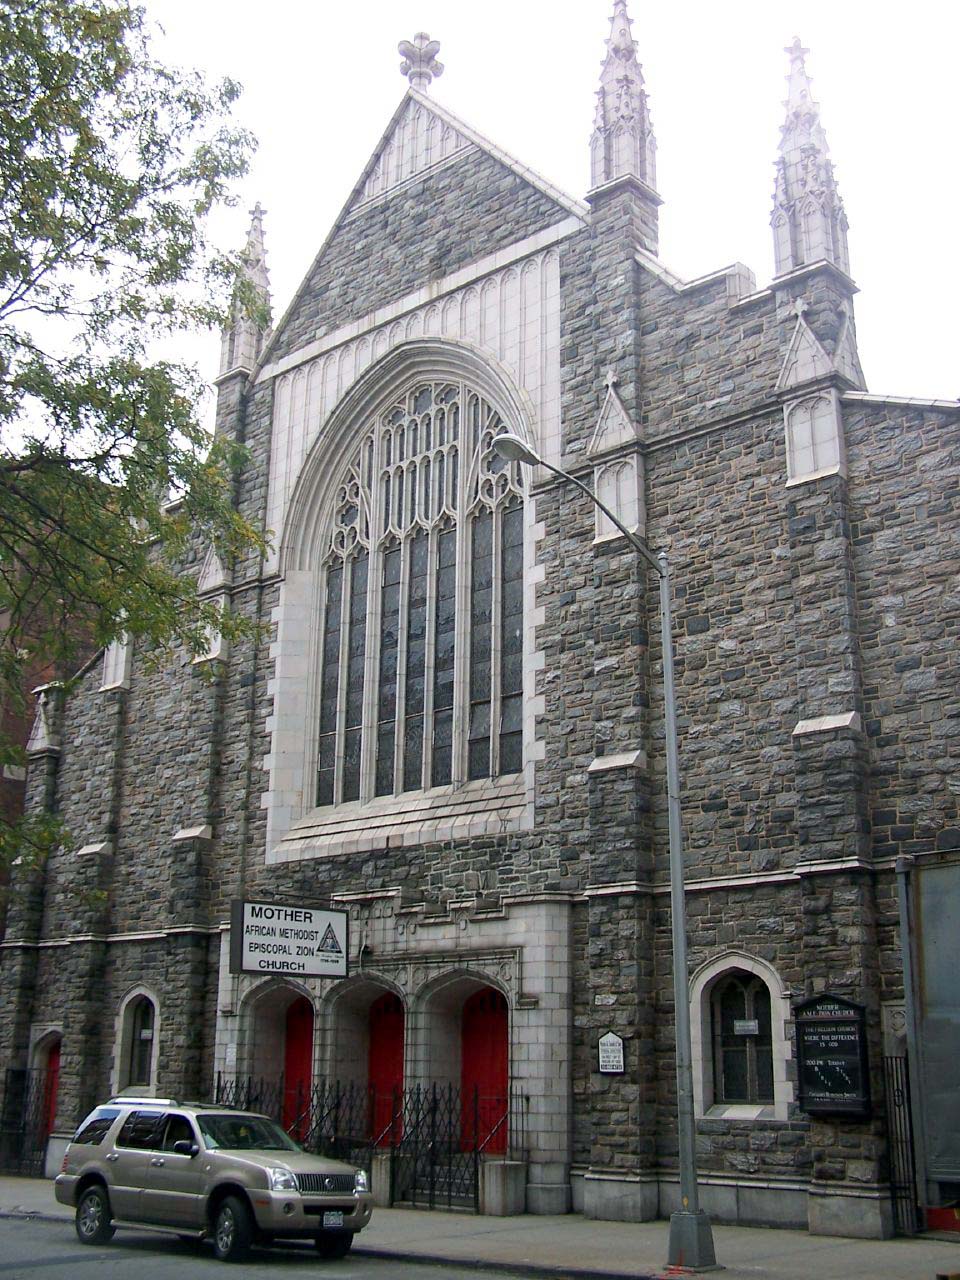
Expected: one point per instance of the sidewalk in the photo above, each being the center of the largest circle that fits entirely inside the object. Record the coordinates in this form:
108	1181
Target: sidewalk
572	1246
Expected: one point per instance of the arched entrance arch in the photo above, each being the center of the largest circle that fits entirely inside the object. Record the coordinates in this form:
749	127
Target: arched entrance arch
46	1058
368	1041
280	1050
484	1070
464	1042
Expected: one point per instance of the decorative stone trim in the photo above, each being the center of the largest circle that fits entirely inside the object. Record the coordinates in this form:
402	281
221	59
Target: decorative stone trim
426	294
202	834
827	724
837	868
622	760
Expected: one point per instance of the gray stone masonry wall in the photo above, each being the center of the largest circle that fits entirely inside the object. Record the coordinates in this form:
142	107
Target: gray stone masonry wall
426	230
903	470
717	504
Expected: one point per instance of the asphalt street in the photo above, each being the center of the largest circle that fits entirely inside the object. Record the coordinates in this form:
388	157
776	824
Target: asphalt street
32	1249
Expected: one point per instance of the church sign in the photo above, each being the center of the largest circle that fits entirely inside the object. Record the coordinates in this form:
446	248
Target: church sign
274	937
610	1053
832	1067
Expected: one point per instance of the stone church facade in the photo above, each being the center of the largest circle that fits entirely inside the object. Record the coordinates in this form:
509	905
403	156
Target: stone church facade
452	727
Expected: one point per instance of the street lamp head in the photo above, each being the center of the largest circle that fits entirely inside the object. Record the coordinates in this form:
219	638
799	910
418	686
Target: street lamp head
514	449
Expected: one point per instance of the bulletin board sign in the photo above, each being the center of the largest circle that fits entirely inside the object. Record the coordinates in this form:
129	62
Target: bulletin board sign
832	1065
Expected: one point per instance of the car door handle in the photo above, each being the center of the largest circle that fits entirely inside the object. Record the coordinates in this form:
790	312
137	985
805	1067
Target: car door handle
112	1155
157	1161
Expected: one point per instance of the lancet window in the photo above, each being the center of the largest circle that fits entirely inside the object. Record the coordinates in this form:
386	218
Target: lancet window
422	626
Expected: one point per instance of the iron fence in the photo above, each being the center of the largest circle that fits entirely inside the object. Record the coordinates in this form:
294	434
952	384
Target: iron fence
903	1179
435	1136
24	1112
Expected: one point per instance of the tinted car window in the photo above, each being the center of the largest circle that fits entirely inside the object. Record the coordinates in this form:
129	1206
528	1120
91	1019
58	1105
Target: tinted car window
142	1130
96	1126
244	1132
179	1129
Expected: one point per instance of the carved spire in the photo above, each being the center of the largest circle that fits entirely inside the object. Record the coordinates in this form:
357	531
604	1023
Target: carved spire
243	337
623	141
420	64
808	220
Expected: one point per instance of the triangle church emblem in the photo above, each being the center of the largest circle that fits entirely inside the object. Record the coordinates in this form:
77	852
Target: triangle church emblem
329	944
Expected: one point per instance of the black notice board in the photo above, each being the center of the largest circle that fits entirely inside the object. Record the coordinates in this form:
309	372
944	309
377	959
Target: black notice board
832	1068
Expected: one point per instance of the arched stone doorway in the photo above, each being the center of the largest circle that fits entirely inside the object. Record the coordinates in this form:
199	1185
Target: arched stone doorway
464	1043
484	1070
384	1062
297	1066
368	1042
280	1053
47	1059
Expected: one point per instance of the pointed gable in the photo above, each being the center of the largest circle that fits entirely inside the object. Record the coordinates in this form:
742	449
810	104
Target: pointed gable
805	359
417	140
614	427
435	197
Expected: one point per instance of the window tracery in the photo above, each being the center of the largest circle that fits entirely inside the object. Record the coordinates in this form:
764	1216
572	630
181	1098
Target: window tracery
421	635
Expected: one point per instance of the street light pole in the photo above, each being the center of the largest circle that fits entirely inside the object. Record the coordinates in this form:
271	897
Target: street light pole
691	1237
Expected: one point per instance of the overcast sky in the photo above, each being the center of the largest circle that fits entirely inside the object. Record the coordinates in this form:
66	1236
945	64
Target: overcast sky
321	81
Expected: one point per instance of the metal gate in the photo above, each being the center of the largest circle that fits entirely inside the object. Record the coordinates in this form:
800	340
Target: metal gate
23	1116
903	1178
435	1138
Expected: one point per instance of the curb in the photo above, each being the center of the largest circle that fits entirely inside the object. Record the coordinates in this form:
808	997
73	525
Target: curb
513	1268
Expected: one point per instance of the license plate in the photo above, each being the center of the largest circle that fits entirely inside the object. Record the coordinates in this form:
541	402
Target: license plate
333	1218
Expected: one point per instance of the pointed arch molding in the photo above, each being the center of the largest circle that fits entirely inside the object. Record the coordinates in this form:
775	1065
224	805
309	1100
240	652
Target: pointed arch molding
702	982
310	502
297	827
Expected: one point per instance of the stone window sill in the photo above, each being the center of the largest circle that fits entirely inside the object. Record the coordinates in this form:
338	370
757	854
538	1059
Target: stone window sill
488	806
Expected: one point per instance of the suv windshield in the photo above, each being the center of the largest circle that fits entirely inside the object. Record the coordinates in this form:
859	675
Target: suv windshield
231	1132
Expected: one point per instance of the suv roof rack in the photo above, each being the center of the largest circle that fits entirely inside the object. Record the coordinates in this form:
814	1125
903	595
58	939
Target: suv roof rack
132	1099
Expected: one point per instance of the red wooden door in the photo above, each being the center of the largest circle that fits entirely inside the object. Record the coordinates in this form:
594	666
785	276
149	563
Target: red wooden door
385	1062
484	1072
298	1068
51	1085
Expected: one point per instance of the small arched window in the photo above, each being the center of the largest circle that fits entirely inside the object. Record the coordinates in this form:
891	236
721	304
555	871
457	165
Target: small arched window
813	436
742	1042
141	1019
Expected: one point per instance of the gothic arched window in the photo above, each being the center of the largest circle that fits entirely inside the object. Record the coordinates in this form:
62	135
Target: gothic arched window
140	1017
422	607
742	1043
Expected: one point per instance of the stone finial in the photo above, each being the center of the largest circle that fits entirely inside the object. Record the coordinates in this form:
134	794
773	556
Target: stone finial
623	141
243	337
420	64
809	222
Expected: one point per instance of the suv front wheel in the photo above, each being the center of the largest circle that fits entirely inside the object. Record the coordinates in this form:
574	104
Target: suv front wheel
92	1220
232	1230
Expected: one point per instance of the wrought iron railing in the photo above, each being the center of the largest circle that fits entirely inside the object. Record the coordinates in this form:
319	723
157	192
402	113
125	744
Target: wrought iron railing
24	1116
435	1135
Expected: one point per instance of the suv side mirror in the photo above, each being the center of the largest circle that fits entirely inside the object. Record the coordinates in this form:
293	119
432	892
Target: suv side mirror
185	1148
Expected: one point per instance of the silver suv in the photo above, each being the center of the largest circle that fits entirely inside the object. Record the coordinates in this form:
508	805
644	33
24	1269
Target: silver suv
206	1171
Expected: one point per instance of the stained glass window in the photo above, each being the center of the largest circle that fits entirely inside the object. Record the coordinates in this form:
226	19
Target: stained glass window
422	629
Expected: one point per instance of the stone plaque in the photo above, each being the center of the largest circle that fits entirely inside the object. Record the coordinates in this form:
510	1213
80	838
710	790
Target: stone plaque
832	1067
610	1048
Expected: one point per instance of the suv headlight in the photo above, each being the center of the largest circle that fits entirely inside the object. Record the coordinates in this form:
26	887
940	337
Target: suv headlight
282	1180
360	1181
